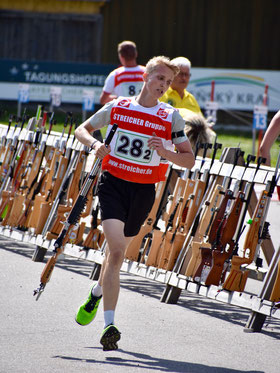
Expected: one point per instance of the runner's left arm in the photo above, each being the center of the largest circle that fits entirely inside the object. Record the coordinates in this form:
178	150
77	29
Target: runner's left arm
184	156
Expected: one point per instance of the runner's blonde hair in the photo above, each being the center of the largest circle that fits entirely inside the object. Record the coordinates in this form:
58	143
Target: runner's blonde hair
161	60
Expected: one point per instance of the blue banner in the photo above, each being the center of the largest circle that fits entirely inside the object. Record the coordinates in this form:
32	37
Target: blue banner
54	72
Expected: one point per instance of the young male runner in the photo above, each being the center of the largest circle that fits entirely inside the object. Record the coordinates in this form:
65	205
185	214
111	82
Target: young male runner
126	80
131	167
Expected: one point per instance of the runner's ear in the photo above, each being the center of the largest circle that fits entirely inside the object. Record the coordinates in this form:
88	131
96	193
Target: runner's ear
145	75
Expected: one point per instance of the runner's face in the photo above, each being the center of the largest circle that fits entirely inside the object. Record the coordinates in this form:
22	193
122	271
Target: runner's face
159	80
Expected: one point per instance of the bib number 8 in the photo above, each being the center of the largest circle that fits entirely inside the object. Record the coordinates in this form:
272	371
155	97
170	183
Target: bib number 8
131	90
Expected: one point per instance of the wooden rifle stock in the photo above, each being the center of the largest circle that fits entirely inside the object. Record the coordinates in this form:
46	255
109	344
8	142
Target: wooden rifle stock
22	222
221	253
52	183
214	235
40	192
192	196
10	182
237	277
74	186
197	241
205	250
166	243
179	234
72	191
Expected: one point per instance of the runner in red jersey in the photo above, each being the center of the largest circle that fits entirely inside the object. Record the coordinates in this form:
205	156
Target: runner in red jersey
131	167
126	80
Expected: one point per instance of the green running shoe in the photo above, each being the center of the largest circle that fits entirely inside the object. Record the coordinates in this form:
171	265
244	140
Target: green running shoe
110	337
87	312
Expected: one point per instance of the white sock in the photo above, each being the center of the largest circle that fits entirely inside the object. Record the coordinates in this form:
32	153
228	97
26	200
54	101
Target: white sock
96	290
109	317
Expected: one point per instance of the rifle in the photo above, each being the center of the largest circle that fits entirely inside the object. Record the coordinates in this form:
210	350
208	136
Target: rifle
177	236
203	189
207	246
257	232
27	168
48	207
39	194
206	249
17	184
72	219
197	242
60	208
187	219
14	151
219	251
68	188
237	278
18	156
164	248
249	188
231	230
67	191
33	184
52	182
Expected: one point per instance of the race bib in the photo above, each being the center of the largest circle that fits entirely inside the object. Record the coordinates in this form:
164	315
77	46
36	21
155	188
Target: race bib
129	89
133	147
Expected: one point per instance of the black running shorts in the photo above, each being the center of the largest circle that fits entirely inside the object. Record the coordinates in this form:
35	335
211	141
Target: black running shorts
125	201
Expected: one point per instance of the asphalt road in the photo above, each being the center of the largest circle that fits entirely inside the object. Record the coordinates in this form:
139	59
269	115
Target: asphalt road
197	335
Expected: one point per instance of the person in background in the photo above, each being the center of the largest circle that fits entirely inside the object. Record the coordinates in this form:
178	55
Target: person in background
197	130
131	166
270	136
126	80
177	94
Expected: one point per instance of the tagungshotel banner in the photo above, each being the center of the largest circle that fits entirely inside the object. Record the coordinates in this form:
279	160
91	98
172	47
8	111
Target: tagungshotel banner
235	89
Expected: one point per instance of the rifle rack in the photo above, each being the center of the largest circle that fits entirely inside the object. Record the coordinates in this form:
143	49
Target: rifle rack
175	283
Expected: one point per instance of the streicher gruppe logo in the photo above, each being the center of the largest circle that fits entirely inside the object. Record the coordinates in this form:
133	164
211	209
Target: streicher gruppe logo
124	103
163	113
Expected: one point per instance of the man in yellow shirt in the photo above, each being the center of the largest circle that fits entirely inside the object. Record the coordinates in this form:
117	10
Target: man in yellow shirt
177	95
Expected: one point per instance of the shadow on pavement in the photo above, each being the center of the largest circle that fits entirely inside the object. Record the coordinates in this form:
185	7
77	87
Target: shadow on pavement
144	361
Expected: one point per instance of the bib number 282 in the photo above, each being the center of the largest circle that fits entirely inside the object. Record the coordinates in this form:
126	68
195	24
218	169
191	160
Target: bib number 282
133	147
